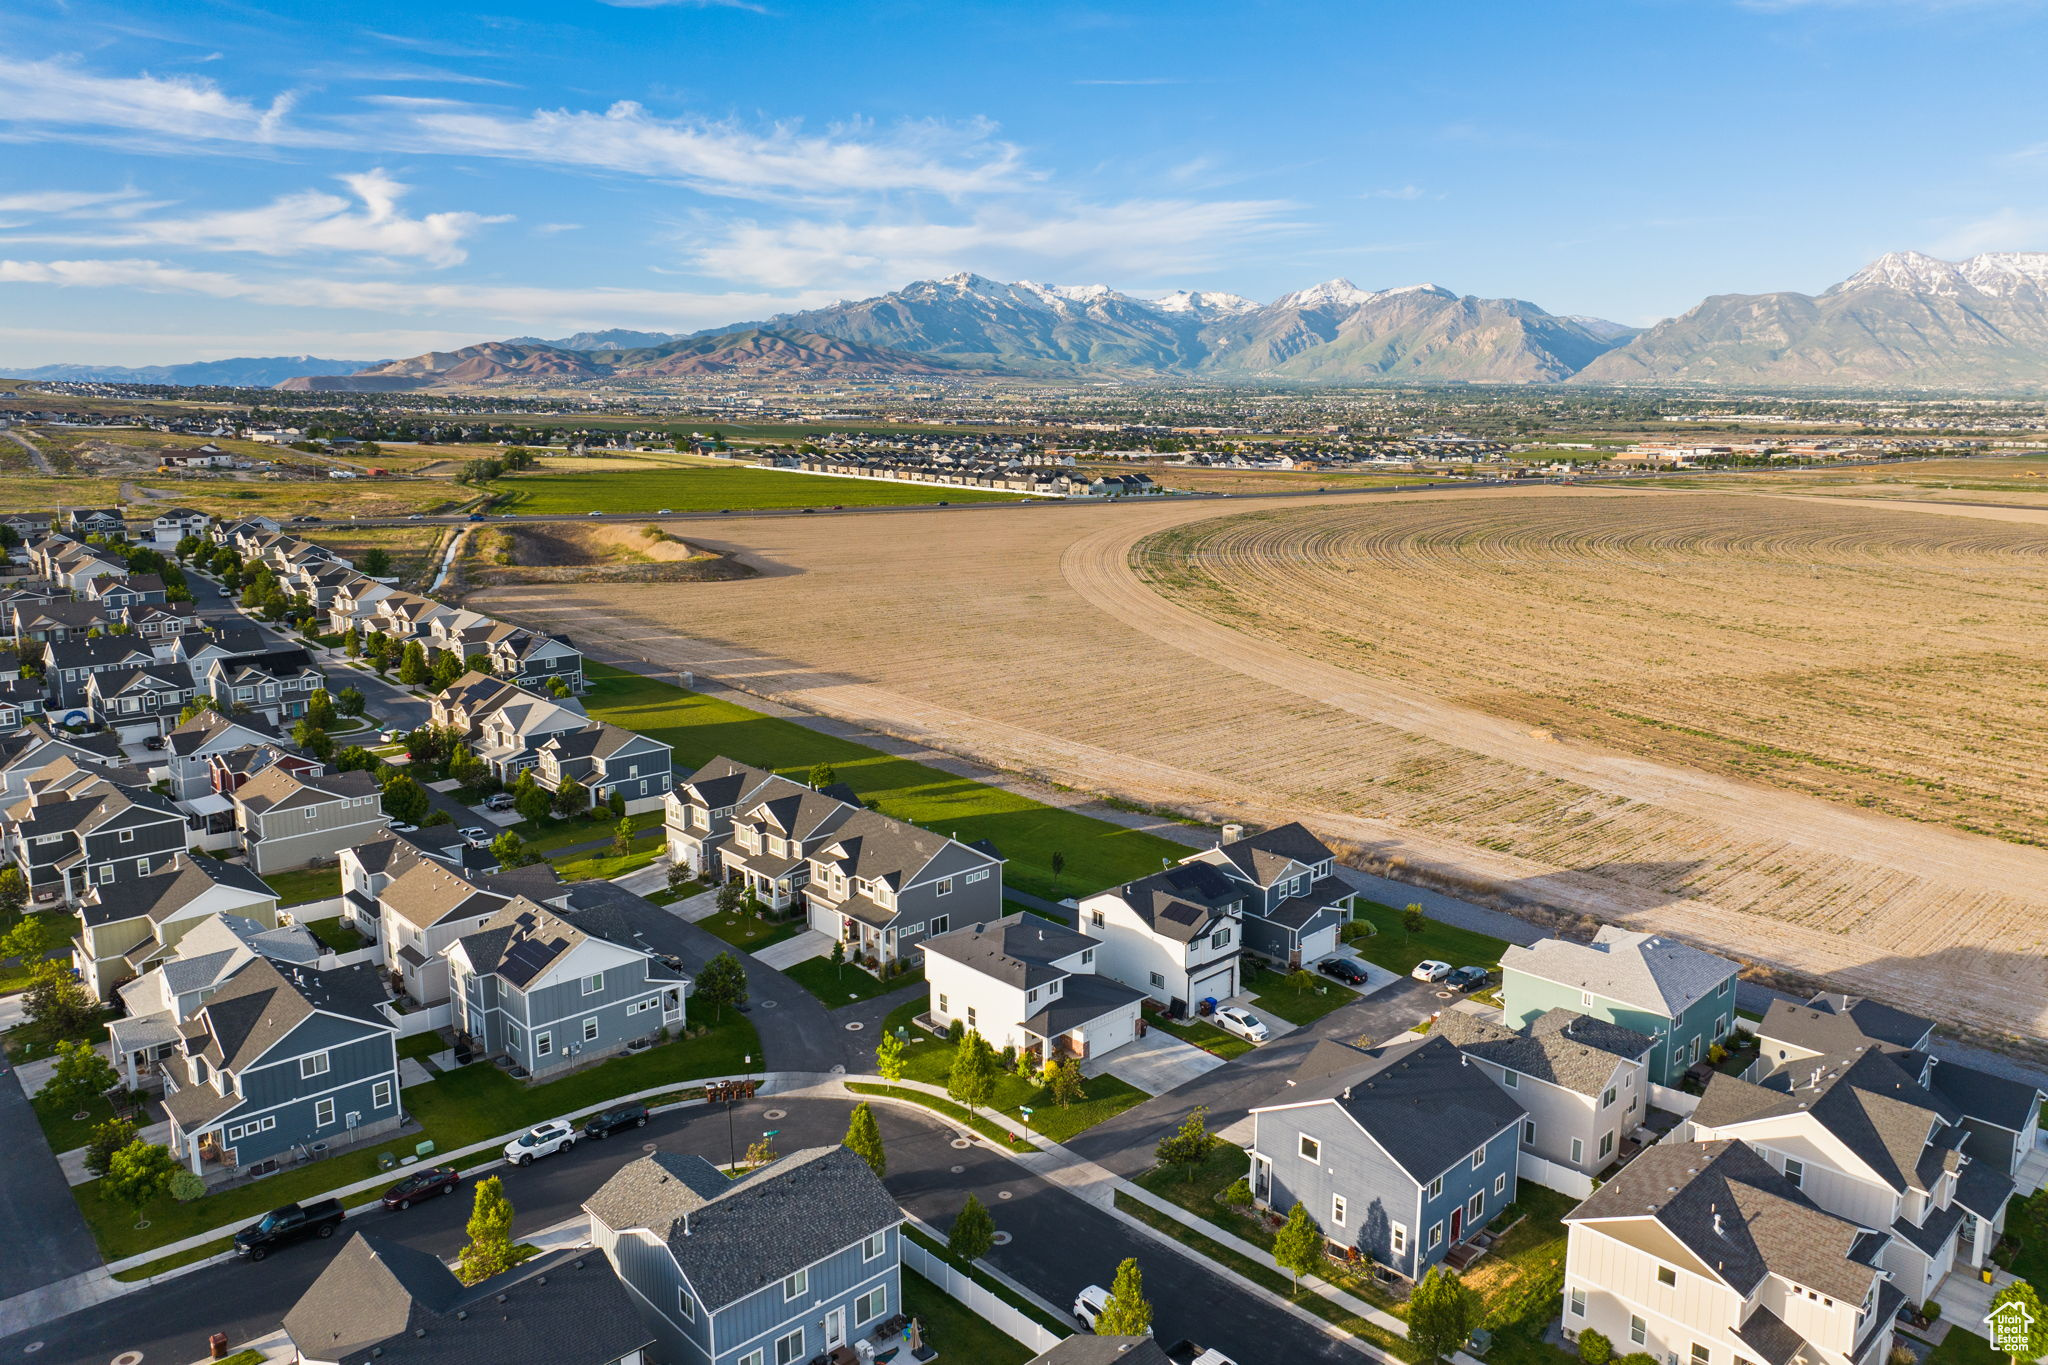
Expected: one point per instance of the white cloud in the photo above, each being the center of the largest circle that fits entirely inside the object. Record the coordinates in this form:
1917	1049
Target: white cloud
1137	237
524	305
57	92
1402	192
67	201
2008	229
309	221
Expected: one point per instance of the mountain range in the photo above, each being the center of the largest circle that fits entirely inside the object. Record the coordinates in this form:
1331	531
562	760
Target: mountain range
243	372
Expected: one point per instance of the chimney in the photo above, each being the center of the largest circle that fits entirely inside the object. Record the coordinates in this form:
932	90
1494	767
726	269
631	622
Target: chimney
1231	833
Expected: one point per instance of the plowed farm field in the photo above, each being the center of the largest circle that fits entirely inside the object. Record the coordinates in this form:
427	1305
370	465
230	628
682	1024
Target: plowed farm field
1772	725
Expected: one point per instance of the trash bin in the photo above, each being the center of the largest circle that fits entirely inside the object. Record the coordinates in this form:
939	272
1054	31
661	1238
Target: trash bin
1208	1004
218	1345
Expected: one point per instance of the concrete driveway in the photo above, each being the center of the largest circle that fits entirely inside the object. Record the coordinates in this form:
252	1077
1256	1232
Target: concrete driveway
1155	1063
805	946
1377	978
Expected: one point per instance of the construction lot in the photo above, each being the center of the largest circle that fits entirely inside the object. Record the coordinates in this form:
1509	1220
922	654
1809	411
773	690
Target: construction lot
1433	679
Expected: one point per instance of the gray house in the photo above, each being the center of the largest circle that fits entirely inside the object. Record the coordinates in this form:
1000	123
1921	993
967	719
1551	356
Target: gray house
279	1059
293	819
1295	906
780	1267
77	827
1584	1081
553	989
608	759
1401	1152
385	1302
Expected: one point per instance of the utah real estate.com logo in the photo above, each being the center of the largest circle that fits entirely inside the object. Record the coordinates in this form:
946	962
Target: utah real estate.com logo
2011	1327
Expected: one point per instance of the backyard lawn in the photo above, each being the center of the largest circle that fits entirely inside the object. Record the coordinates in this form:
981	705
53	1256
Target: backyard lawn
751	932
1027	833
953	1330
846	984
1398	951
686	489
306	884
332	933
1271	993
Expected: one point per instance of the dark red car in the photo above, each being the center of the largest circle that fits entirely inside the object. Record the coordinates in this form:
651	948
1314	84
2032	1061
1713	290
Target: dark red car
420	1185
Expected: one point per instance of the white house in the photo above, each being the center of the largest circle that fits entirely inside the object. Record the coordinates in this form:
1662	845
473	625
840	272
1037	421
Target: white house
1029	983
1174	935
1585	1082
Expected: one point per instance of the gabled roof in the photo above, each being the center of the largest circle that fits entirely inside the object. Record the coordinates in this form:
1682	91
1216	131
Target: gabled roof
1649	971
731	1238
210	726
872	847
261	1004
427	892
1560	1047
722	782
279	788
1981	1095
1274	854
1741	1218
1017	950
168	890
1182	902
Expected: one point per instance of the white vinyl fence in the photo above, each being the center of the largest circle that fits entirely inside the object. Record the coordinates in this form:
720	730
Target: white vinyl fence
1010	1321
1676	1101
1552	1176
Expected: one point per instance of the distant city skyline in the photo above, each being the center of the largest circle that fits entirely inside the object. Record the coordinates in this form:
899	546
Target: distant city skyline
204	179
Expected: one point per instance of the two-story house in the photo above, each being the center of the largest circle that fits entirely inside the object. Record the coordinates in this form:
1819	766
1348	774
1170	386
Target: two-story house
380	1301
354	604
139	703
425	904
1585	1082
119	595
1295	905
277	684
1702	1253
1177	935
189	745
1032	984
68	664
157	1003
21	704
792	1261
773	831
607	759
172	524
153	622
127	926
75	827
551	989
883	886
32	619
1401	1152
510	734
94	521
1681	996
534	660
34	747
279	1059
295	819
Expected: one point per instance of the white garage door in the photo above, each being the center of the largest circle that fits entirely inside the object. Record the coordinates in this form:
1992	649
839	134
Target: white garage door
1221	984
1319	945
1111	1031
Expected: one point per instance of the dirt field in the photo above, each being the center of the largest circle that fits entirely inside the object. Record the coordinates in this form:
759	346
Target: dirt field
565	552
1031	642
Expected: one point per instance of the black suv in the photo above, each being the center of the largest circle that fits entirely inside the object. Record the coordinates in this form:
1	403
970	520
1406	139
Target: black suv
615	1120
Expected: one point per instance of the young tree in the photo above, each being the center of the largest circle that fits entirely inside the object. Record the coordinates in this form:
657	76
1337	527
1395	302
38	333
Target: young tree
679	877
973	1077
465	767
412	664
511	850
187	1185
79	1075
29	941
571	797
2035	1344
531	800
822	775
973	1232
1298	1246
889	1057
107	1139
55	1000
351	701
1058	864
489	1249
558	689
320	709
1188	1145
722	982
352	645
1128	1313
622	838
731	896
405	800
1441	1313
1066	1082
376	563
138	1175
616	803
1411	921
13	891
864	1136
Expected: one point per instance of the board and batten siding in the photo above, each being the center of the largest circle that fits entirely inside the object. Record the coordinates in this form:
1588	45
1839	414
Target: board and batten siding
1378	1194
1620	1281
358	1058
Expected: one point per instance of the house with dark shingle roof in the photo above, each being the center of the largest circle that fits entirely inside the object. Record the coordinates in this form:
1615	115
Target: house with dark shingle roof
1701	1251
1678	995
1295	905
138	703
127	926
384	1302
608	759
1401	1152
785	1264
82	825
1177	935
209	952
278	1059
424	904
1585	1082
293	818
1027	982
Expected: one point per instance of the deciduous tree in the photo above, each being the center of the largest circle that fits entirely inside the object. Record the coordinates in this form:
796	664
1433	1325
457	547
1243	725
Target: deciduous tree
1188	1145
1128	1312
138	1175
889	1057
722	982
79	1075
489	1249
1298	1246
973	1076
1441	1313
107	1139
973	1232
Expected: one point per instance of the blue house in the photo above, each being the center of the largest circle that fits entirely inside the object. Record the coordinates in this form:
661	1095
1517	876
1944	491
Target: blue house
780	1267
1681	997
278	1059
1400	1152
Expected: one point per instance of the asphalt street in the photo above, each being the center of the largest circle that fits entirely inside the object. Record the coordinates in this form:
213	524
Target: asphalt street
46	1238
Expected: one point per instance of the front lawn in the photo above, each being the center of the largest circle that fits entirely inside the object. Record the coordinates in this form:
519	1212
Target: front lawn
1398	951
1207	1037
306	884
1964	1347
750	932
57	924
1027	833
603	866
554	832
846	984
930	1060
954	1331
332	933
66	1133
1270	992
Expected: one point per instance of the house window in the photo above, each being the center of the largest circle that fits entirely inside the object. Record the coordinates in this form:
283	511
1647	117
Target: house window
685	1306
1578	1151
1311	1150
315	1065
1095	918
1436	1187
1528	1130
1667	1276
1220	939
874	1246
1500	1183
1700	1354
1397	1239
1695	1049
1511	1079
590	1029
1578	1302
872	1304
1606	1144
1638	1330
795	1285
970	1017
1436	1235
380	1095
1473	1208
1720	1030
1607	1097
1087	957
127	836
942	1002
543	1044
1031	998
1158	981
1795	1171
939	924
790	1349
593	984
323	1113
945	886
1479	1158
753	1358
1337	1209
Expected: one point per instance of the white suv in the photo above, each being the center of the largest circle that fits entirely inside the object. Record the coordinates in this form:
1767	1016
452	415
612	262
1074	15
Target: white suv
556	1135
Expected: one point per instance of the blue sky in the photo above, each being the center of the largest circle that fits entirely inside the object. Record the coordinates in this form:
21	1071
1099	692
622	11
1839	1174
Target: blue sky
203	178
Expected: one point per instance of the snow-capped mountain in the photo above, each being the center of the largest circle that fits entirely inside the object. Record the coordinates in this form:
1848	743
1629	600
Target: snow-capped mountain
1203	303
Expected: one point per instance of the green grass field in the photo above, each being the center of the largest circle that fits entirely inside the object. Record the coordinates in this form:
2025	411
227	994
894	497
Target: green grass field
1398	951
1027	833
685	489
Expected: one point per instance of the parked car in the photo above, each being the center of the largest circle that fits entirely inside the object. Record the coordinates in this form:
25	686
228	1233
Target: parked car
391	736
615	1120
666	512
1345	969
1185	1352
1468	978
476	516
1243	1023
501	801
476	836
153	742
553	1136
283	1226
401	827
422	1185
1429	969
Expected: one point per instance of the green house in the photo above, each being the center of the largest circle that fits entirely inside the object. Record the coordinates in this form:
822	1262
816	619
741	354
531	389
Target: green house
1681	996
